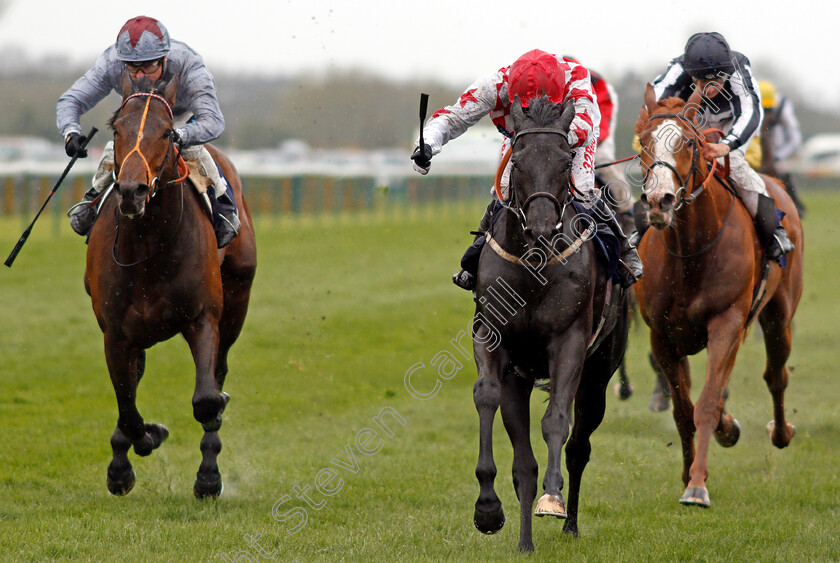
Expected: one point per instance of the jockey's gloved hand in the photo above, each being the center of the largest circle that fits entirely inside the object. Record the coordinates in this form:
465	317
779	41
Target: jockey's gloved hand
422	159
176	138
75	145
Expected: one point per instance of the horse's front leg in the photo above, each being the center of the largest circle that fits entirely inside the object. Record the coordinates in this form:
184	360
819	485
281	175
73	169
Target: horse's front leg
565	363
709	419
125	366
208	403
489	517
677	371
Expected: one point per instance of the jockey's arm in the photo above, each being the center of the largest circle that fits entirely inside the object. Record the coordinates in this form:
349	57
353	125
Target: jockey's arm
199	90
585	125
84	94
452	121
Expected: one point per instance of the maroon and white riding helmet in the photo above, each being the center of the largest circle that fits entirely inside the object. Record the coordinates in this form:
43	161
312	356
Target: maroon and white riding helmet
142	39
534	74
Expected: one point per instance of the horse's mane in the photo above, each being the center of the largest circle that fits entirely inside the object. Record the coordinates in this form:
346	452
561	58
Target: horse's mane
543	112
142	86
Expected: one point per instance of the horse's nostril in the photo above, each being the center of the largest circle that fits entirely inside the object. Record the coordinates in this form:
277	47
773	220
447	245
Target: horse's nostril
668	201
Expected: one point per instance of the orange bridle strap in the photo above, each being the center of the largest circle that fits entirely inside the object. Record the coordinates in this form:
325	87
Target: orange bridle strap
150	178
714	160
497	183
136	149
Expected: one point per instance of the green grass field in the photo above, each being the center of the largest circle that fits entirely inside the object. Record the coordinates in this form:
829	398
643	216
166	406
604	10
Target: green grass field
342	307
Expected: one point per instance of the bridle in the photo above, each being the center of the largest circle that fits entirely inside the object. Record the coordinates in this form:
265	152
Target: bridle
151	178
686	194
513	205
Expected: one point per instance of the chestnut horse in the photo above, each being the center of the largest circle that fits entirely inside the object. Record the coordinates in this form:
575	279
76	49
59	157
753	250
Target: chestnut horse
560	318
153	271
702	262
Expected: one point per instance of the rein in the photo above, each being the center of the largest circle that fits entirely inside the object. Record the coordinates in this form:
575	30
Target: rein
160	248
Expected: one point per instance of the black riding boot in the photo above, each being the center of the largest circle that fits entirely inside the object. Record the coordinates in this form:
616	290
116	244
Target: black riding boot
83	214
630	267
465	277
769	229
227	222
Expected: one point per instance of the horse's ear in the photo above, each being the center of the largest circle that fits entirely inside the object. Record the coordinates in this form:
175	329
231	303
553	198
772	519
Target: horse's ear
516	112
567	116
171	90
650	98
692	105
127	85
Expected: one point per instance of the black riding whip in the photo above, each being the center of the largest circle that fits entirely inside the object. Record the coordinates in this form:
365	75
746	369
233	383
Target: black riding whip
10	260
424	105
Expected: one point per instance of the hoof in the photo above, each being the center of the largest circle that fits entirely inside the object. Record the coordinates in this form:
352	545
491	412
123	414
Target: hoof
729	439
489	522
208	489
659	401
155	435
623	392
526	547
780	441
122	485
550	505
158	432
696	496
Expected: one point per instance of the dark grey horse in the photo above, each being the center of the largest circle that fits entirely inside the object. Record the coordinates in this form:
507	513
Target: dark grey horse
546	308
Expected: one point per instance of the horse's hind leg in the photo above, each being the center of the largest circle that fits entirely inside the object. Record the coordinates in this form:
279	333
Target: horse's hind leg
777	343
489	517
516	394
590	404
126	366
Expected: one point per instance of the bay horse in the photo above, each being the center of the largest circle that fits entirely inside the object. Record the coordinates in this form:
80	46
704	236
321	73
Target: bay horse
702	262
565	300
153	271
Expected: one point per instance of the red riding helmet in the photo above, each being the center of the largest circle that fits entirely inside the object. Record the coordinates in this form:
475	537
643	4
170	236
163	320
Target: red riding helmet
142	39
534	74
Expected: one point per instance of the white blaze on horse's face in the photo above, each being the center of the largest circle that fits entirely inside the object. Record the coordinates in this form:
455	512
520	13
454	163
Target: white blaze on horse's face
661	187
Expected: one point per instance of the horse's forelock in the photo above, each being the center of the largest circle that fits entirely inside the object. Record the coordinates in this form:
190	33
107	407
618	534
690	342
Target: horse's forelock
543	112
672	105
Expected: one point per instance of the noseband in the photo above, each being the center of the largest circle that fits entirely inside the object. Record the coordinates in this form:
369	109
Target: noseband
152	179
520	211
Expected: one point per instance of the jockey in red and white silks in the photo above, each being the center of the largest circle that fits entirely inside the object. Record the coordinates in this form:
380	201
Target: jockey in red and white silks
533	74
